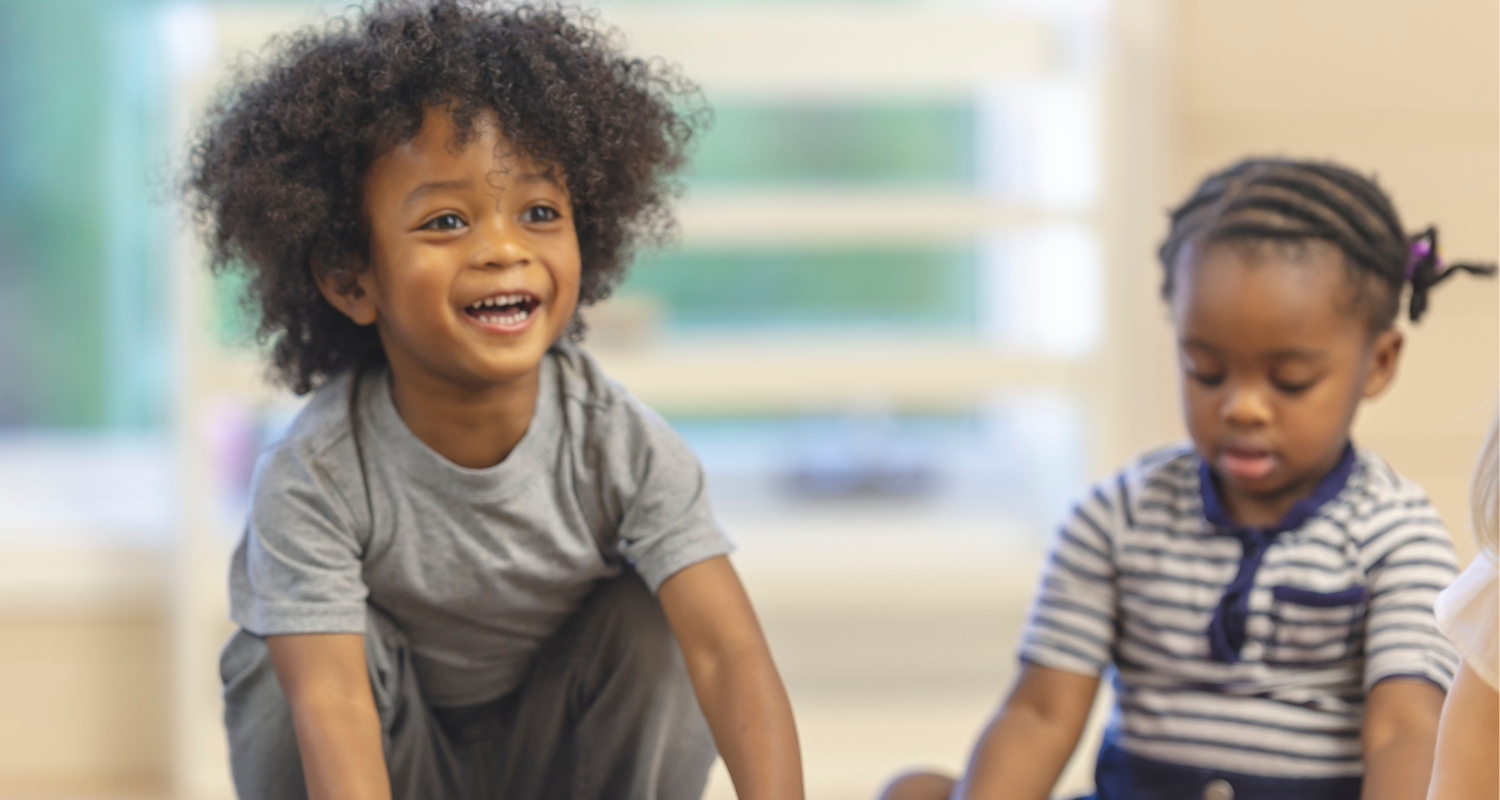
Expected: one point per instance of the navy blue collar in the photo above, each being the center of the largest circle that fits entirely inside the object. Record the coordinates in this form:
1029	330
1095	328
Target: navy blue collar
1303	510
1226	629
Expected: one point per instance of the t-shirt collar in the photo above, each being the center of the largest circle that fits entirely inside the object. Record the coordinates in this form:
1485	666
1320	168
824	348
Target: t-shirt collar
1327	489
537	445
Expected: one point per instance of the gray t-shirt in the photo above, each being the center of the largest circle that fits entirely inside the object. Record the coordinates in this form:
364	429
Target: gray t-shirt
478	566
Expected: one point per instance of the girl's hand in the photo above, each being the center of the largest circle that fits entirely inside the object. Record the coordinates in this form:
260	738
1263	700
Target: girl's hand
1025	747
1400	732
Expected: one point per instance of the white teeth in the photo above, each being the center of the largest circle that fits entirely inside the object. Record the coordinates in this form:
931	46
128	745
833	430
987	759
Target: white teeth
500	300
505	319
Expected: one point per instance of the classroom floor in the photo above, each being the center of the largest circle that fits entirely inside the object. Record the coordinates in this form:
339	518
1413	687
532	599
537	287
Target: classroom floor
895	633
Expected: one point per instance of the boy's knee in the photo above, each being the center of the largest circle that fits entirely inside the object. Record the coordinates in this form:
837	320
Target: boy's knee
640	637
245	668
919	786
263	755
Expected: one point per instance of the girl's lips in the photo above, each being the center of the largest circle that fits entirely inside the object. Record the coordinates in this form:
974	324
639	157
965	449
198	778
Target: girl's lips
1247	465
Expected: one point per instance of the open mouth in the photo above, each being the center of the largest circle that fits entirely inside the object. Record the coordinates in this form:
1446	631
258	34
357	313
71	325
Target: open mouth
1247	463
503	309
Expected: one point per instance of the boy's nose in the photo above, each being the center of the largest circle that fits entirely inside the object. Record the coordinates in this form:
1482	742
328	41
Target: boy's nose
498	246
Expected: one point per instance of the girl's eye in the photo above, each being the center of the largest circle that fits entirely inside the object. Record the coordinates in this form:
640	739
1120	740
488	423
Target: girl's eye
540	214
1206	378
1290	387
444	222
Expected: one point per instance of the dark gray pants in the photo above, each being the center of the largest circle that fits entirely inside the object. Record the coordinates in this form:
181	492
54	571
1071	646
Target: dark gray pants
606	712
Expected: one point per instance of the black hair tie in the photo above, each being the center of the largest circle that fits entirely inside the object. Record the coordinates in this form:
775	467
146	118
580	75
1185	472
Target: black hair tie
1425	269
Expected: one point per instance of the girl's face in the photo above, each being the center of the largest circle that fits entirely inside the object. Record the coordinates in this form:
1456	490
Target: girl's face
1275	359
474	262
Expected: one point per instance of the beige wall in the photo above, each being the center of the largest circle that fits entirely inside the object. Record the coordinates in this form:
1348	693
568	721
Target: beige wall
1408	91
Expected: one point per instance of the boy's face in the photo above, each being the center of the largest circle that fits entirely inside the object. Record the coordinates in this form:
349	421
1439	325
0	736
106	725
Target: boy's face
1275	359
474	262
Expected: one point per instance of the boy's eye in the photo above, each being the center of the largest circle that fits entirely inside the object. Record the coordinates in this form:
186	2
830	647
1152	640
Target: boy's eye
538	214
444	222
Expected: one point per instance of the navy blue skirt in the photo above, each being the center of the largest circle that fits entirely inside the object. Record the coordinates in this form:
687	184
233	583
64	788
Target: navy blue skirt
1122	776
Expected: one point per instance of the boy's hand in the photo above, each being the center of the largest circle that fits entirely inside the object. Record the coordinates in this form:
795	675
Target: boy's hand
1399	736
327	687
1025	747
735	679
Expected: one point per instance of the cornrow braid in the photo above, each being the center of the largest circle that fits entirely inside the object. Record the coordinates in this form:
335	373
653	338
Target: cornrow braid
1288	200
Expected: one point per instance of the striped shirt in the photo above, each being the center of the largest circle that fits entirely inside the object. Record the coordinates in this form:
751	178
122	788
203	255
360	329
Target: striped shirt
1337	605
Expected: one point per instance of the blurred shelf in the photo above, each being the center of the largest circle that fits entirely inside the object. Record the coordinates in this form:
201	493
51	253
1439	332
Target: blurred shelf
86	577
876	215
783	49
720	376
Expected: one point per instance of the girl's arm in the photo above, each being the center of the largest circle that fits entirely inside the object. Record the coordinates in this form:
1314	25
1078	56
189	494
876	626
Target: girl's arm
327	686
735	680
1468	742
1400	731
1025	747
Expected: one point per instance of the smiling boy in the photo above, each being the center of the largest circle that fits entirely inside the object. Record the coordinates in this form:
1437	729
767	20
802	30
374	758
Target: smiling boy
475	566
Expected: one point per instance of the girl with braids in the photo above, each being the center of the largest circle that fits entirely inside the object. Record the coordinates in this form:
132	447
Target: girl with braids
1467	764
475	567
1263	595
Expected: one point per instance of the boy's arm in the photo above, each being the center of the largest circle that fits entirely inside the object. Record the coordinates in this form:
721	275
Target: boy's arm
1398	738
735	679
1468	743
1025	747
327	687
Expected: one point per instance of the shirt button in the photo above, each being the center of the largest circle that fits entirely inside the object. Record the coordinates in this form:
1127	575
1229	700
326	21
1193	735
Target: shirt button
1218	790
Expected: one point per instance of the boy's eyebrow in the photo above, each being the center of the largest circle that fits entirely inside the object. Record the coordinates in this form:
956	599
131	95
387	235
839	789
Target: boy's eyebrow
548	176
436	186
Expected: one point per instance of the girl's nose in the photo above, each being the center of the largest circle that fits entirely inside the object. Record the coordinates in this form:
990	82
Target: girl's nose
1246	406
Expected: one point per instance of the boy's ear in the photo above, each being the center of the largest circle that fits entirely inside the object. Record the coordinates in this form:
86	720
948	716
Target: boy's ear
356	298
1385	351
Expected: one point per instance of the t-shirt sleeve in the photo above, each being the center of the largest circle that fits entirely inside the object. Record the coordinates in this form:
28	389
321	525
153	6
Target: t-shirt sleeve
298	567
666	523
1071	626
1411	560
1469	613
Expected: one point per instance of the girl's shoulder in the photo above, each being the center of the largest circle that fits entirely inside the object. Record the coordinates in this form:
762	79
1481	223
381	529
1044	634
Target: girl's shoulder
1376	478
1155	490
1467	613
1165	473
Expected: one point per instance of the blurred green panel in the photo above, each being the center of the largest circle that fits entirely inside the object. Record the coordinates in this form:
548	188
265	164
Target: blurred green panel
80	255
791	287
846	143
51	220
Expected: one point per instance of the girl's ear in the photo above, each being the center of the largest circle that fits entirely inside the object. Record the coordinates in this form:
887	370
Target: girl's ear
357	298
1385	351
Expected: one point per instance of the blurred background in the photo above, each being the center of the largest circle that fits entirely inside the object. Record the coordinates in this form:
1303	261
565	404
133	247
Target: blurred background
912	313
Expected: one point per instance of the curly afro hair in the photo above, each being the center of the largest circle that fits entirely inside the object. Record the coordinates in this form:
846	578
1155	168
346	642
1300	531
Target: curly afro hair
275	173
